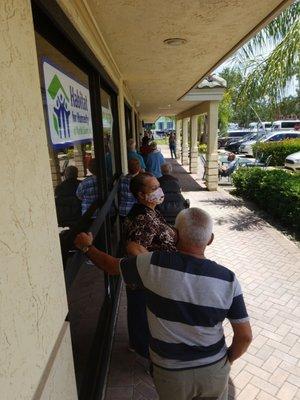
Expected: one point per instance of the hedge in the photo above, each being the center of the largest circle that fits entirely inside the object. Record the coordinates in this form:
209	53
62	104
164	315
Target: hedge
278	150
275	191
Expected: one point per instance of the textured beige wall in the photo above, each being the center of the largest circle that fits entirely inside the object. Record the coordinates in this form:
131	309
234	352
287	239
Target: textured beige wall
81	17
32	293
58	382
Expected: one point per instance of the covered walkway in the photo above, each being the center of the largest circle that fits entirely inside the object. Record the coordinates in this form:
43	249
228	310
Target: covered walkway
267	265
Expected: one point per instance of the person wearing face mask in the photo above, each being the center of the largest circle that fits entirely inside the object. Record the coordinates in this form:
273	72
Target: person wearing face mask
145	229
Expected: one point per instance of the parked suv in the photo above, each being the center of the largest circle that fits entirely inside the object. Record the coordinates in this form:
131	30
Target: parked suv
234	146
286	125
246	147
232	136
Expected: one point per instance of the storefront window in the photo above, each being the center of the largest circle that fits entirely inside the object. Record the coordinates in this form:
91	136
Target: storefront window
67	110
108	125
128	122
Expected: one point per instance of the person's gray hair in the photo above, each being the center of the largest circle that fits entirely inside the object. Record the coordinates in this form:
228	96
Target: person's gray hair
131	144
195	226
166	168
71	172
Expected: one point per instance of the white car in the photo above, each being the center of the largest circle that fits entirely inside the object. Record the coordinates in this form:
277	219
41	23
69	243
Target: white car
293	162
246	147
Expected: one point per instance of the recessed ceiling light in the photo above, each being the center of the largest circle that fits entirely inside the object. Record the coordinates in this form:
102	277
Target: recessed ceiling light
175	41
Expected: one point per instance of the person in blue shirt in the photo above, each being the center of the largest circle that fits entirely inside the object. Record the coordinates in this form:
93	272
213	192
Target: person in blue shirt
154	161
87	190
126	198
132	153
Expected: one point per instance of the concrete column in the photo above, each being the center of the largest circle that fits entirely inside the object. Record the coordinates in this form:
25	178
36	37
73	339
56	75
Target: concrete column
35	344
178	138
78	158
122	127
185	144
194	145
212	147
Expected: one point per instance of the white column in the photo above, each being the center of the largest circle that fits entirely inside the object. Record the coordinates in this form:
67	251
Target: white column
194	145
185	145
122	127
178	138
212	147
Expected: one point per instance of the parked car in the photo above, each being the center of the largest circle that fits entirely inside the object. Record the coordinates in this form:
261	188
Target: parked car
234	146
285	125
265	126
231	137
253	126
293	162
246	147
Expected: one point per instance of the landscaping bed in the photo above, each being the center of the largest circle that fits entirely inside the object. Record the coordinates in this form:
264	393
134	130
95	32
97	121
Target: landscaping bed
275	191
278	150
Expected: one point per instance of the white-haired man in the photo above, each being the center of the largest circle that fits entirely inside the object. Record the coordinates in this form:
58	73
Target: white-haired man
188	298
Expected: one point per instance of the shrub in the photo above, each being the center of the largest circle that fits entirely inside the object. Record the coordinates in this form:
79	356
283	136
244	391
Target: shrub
278	150
275	191
202	148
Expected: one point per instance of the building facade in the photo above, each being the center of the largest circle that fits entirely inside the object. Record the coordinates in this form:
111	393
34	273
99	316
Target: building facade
67	94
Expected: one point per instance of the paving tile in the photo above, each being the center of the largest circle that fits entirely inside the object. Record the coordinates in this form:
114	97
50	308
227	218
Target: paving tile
241	380
265	263
287	391
249	392
264	385
265	396
259	372
278	377
119	393
295	380
146	390
271	364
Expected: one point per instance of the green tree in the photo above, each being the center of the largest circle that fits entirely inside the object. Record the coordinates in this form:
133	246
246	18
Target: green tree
269	72
225	112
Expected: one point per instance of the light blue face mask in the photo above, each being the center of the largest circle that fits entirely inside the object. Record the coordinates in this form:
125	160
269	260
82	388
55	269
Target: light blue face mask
156	197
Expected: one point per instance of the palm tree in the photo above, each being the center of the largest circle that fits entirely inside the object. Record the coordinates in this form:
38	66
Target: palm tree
271	59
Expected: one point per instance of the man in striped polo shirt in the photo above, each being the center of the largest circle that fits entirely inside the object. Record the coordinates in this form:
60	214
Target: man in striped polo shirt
188	298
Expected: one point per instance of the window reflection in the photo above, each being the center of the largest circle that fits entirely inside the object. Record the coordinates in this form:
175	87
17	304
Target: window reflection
107	120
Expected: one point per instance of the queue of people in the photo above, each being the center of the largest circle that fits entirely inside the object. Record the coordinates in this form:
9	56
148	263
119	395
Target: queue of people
177	299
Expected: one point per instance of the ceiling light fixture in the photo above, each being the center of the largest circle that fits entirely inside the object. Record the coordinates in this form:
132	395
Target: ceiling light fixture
175	41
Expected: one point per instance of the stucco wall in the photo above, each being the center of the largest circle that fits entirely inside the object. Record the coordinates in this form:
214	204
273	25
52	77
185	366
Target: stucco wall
32	293
81	17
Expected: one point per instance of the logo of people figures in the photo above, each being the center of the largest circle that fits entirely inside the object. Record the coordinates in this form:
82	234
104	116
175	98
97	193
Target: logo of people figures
61	113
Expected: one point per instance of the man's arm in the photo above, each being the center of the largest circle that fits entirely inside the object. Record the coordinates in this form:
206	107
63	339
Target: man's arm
242	337
102	260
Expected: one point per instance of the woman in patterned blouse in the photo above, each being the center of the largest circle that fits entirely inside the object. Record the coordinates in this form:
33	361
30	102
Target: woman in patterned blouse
145	229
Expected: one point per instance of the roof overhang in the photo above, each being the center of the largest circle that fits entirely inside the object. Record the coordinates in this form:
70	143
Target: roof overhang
159	75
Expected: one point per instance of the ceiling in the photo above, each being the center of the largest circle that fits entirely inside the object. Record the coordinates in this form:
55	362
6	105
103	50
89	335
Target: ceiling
157	74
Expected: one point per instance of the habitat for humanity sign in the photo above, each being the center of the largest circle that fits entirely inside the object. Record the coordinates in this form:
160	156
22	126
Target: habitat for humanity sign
69	109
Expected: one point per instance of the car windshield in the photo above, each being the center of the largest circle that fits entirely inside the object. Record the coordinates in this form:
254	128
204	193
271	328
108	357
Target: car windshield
263	136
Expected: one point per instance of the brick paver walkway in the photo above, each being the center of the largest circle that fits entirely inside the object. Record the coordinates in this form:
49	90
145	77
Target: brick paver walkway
268	267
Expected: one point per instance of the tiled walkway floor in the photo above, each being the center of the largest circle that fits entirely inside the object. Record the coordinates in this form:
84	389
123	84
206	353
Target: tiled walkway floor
268	267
